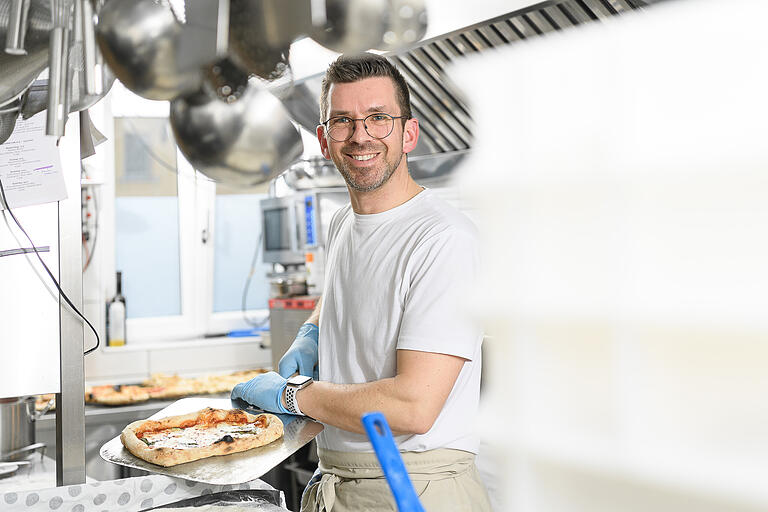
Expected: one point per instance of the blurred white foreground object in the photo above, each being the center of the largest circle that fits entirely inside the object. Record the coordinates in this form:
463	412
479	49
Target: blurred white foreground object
621	176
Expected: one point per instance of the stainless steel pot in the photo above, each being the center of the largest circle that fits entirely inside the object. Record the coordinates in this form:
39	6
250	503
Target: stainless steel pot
17	427
260	34
247	141
140	41
352	26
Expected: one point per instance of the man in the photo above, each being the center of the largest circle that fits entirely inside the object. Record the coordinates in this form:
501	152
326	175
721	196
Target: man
393	334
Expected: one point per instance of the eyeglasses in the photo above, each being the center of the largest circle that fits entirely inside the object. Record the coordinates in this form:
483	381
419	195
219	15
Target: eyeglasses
377	125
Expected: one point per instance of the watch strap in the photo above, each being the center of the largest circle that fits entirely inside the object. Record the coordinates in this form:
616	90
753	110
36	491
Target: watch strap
290	400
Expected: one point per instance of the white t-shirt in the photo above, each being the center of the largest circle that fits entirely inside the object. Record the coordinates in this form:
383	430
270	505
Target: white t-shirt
399	280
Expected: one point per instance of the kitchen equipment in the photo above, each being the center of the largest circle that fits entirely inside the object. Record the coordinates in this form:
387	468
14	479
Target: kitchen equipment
58	66
18	71
261	33
8	115
258	500
226	469
352	26
17	27
140	41
285	318
284	285
17	427
245	142
407	23
295	224
90	79
378	431
282	240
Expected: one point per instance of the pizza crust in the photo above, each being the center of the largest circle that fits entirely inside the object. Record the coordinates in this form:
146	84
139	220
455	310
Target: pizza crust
167	456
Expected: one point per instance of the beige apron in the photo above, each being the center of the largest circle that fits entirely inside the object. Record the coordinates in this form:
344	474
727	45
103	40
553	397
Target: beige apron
446	480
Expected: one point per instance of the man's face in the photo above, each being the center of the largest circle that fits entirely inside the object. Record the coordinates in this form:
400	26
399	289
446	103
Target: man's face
365	162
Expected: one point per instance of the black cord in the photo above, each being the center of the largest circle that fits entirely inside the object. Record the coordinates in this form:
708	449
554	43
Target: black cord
248	285
50	274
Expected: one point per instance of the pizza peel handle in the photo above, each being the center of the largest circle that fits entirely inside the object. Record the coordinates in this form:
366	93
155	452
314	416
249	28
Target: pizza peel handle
378	431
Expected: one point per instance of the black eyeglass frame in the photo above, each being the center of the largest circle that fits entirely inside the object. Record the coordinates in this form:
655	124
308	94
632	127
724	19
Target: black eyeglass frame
365	127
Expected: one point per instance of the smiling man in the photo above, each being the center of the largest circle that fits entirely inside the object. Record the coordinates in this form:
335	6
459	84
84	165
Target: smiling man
393	335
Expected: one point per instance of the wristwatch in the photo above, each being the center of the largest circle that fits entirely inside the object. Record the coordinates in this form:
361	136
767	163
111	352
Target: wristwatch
295	383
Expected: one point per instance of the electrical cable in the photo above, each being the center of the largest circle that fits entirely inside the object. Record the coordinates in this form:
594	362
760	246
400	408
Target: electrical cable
50	274
248	285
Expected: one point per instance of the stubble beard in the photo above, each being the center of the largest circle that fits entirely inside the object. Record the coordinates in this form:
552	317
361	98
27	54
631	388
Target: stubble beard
384	171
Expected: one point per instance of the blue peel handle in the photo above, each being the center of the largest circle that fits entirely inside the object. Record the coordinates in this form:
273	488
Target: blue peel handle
378	431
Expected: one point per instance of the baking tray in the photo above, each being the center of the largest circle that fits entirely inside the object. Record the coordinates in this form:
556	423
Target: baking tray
252	499
235	468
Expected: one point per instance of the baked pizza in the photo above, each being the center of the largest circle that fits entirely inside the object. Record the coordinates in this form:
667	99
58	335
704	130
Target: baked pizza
117	395
164	387
205	433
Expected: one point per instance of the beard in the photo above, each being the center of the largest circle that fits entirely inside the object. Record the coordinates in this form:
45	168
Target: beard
368	178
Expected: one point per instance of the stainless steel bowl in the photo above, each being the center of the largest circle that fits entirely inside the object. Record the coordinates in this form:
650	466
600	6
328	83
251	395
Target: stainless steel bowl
245	142
139	40
260	34
353	26
407	23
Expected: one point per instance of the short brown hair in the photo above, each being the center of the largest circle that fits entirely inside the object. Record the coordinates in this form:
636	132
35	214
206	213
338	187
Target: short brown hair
351	68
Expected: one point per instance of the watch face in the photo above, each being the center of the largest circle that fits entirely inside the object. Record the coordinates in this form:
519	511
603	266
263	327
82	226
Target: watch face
299	380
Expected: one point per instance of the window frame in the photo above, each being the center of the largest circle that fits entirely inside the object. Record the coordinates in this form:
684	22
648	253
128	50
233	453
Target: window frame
196	203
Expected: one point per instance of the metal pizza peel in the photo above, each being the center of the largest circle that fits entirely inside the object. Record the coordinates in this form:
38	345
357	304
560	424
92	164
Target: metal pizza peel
235	468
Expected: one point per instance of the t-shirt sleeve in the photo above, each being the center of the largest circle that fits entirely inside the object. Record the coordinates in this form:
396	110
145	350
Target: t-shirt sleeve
436	316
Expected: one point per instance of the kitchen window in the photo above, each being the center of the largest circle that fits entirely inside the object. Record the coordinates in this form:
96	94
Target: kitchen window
184	244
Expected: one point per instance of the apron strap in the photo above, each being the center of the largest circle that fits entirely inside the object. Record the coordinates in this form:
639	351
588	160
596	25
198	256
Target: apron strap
320	494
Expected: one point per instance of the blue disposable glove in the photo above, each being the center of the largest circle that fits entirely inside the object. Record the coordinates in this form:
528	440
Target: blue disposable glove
264	391
302	355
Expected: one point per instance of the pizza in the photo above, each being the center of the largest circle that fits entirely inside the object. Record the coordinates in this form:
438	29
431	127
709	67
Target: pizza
163	387
117	395
205	433
46	402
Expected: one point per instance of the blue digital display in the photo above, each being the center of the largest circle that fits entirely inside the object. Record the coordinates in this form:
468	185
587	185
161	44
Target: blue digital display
309	212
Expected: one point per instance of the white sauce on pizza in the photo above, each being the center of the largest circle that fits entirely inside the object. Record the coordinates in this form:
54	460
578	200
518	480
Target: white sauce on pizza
199	436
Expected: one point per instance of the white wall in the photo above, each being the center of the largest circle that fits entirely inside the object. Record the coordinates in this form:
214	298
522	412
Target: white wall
623	216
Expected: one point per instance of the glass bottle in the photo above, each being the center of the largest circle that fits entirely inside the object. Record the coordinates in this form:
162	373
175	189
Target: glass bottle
116	316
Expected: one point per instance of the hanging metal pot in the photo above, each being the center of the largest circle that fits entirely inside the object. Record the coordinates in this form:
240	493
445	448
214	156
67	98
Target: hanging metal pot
406	24
261	33
351	26
242	141
139	40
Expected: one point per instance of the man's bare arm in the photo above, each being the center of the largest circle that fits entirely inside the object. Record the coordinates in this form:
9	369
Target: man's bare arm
314	318
411	401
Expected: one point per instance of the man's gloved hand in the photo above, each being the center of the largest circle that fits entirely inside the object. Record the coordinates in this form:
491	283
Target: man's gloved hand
302	355
264	391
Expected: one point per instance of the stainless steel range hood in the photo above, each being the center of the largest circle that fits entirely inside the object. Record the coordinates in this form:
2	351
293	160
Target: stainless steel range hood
445	119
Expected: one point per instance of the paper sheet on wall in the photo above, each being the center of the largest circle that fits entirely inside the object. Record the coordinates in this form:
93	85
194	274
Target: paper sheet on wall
30	166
